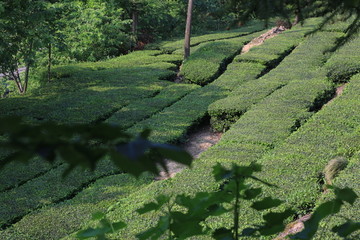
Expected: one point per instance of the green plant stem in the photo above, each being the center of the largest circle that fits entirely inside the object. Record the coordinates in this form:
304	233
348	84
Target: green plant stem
169	211
236	211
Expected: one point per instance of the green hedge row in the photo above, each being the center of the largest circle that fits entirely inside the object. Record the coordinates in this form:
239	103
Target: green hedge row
94	94
46	189
273	119
238	73
173	122
59	220
205	64
295	165
15	174
302	64
339	24
87	95
144	108
345	62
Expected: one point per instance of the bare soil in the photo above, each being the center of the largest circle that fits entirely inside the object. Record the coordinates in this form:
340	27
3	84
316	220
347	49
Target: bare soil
293	227
260	40
198	141
339	91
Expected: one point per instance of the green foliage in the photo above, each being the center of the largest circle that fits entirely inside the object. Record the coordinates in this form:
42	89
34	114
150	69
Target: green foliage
185	216
79	145
145	108
187	219
76	146
209	60
95	31
87	92
274	49
105	228
23	25
330	10
330	208
345	62
273	119
66	216
295	164
335	228
226	111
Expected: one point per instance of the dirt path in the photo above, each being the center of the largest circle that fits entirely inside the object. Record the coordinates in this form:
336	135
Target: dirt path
260	40
198	142
339	91
293	227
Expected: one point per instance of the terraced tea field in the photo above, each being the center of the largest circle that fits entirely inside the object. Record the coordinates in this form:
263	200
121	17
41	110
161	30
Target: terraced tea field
270	103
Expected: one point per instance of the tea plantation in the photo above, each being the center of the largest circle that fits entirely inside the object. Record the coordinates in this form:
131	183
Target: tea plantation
272	105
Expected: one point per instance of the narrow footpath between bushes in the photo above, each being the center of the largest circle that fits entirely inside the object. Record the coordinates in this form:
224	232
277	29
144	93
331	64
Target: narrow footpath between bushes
198	141
204	137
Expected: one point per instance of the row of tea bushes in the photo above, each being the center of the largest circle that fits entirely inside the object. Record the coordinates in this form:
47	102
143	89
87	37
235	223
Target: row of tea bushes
206	64
56	221
296	165
302	64
275	117
47	189
346	63
144	108
275	48
86	93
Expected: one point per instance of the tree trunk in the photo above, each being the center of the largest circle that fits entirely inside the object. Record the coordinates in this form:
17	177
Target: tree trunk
26	80
16	78
135	20
49	62
188	30
297	18
298	13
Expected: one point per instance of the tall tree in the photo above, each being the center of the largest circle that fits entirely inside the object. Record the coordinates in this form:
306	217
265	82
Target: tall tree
188	30
21	25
